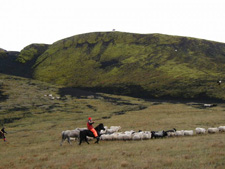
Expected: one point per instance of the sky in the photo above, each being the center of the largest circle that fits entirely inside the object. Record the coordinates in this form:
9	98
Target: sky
23	22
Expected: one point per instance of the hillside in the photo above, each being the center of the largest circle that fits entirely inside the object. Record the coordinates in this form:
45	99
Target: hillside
25	99
21	63
142	65
8	64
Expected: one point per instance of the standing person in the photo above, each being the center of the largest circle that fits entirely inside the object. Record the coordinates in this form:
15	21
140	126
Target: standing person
3	133
91	128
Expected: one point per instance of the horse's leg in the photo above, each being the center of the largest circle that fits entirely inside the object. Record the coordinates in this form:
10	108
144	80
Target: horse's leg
63	139
69	140
86	139
80	139
61	142
97	139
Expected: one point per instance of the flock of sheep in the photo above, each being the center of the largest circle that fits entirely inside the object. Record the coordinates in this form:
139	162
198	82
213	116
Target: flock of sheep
113	133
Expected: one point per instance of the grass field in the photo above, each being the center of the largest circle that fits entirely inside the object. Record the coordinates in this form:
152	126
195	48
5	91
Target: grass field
34	132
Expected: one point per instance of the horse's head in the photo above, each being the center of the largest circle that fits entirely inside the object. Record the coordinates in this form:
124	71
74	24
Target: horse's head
101	126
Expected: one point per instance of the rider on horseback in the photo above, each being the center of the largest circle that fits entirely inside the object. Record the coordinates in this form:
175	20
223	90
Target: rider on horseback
3	133
91	128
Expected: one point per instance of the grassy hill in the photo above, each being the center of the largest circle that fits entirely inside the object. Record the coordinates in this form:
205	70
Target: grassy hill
31	52
143	65
21	63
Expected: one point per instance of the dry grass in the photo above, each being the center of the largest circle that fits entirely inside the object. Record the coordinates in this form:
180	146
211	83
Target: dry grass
37	145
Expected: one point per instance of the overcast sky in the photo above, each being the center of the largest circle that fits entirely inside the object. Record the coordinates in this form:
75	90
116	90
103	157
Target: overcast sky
23	22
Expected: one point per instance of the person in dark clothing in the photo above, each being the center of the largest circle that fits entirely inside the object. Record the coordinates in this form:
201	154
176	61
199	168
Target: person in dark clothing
2	133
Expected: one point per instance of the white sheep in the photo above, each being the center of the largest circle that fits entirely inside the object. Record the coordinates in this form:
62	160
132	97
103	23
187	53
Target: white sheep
213	130
179	133
127	136
115	136
110	137
110	131
120	136
144	135
103	137
137	136
123	136
199	130
115	128
129	132
147	135
107	137
221	128
188	132
171	134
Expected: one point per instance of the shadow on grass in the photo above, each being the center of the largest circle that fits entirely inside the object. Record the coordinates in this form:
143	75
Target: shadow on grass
137	92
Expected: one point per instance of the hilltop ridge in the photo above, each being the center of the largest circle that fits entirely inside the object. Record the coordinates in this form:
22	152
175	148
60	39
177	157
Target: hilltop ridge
141	65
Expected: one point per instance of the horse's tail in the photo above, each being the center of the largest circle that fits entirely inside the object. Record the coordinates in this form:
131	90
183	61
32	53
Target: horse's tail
63	135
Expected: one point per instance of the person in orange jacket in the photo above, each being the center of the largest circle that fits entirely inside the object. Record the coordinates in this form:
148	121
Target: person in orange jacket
91	128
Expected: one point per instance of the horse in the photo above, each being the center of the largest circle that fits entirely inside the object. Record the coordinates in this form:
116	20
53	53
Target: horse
70	133
83	134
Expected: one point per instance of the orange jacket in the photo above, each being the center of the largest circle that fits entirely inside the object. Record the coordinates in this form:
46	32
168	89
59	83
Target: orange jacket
89	124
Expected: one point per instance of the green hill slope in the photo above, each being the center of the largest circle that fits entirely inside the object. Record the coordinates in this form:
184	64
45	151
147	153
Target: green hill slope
21	63
152	65
31	52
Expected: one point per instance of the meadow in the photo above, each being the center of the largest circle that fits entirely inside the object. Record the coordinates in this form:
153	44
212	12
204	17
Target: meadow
34	131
